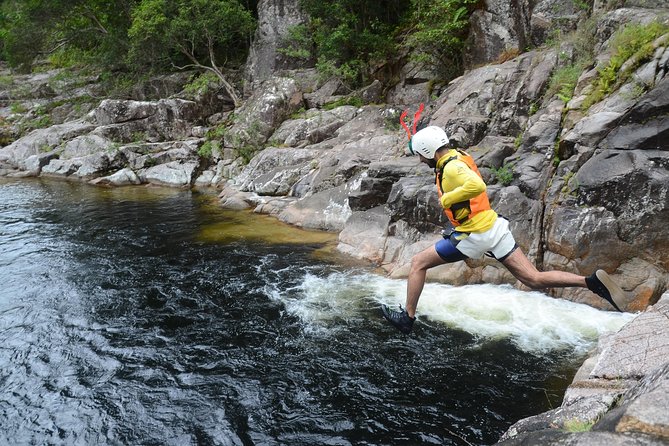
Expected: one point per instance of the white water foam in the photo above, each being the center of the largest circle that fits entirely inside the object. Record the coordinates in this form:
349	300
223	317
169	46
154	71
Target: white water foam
533	321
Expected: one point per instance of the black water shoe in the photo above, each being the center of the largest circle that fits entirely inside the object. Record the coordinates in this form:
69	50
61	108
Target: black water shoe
601	284
400	319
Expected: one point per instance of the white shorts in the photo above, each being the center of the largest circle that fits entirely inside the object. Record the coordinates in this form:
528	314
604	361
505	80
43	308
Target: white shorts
497	241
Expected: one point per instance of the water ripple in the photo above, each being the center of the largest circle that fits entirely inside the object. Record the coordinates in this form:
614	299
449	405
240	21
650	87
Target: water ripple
120	323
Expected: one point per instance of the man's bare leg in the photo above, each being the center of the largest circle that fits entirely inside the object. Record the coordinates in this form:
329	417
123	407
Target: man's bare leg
420	263
521	267
599	282
403	320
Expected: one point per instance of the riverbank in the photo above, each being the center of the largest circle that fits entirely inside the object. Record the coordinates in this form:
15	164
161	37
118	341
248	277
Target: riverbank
619	396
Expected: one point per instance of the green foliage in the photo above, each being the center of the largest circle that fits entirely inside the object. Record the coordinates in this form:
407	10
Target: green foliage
563	81
17	107
298	44
300	113
93	30
137	36
118	84
217	132
213	141
138	137
570	184
39	119
350	38
504	174
355	101
583	5
631	41
575	425
249	145
207	149
247	152
199	32
6	134
22	31
437	33
391	120
201	84
572	62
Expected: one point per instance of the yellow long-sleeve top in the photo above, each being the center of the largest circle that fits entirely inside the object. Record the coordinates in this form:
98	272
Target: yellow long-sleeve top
460	183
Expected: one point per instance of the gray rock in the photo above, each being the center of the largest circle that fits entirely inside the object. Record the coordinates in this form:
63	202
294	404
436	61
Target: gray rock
41	141
123	177
33	164
619	396
638	347
173	173
646	412
492	150
317	127
561	438
364	236
272	102
275	171
376	183
275	18
645	125
524	215
634	186
85	145
327	210
131	121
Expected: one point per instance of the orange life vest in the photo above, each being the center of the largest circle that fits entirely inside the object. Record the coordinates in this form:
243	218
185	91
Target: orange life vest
473	205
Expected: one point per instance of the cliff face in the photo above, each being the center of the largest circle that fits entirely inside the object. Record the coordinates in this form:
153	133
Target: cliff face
583	188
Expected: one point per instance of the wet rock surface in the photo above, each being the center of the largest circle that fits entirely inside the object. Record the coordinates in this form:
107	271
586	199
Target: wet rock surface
620	394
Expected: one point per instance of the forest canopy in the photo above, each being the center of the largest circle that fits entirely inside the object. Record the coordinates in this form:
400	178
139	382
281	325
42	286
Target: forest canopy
352	39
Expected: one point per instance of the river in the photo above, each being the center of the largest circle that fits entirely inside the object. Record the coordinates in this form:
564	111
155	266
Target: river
150	316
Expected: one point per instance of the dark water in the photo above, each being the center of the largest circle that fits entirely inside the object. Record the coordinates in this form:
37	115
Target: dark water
120	323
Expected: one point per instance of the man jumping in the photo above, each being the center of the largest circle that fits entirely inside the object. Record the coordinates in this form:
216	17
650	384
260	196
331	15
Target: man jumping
478	231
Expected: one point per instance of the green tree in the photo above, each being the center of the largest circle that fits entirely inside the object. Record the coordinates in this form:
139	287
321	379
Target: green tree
352	38
205	34
23	31
436	33
96	29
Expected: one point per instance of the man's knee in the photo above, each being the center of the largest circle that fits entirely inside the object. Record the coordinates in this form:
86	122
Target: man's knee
532	280
425	260
417	263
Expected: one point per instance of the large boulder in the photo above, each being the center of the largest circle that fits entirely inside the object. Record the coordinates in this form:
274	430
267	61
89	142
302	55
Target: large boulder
633	186
275	19
619	395
130	121
41	141
271	103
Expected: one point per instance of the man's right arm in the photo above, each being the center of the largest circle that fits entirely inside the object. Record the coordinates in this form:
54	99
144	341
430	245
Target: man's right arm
460	183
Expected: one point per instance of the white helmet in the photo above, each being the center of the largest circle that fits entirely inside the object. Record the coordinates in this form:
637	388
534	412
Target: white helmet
427	141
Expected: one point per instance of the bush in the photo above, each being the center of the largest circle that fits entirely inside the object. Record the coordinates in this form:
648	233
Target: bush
504	174
631	41
563	81
437	34
348	38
